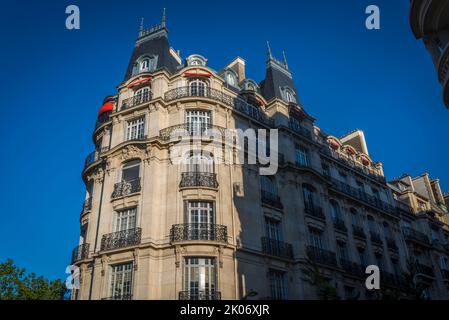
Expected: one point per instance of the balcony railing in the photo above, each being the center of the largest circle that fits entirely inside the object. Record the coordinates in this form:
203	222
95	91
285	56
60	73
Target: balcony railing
120	297
199	295
358	232
443	65
271	199
339	224
352	268
375	238
277	248
121	239
235	103
371	173
125	188
136	100
322	256
314	211
102	119
299	129
198	179
425	270
80	253
199	232
415	235
391	244
94	156
87	205
203	130
362	196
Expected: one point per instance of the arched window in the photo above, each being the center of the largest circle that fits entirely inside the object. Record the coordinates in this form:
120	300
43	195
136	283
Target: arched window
198	122
198	161
131	170
197	87
142	95
289	96
335	210
145	65
231	79
309	197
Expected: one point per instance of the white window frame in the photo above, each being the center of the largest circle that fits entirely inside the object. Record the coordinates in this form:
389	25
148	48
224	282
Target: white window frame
202	272
125	219
121	279
135	129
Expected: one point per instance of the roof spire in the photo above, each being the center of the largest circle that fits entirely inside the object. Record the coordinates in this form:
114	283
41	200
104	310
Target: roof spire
163	18
285	59
270	56
141	28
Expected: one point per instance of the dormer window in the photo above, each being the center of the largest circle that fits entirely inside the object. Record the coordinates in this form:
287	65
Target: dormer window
145	64
196	60
289	96
231	79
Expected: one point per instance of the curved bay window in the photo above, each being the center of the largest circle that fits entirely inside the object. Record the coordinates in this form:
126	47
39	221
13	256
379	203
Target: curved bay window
198	122
198	171
142	95
199	279
197	88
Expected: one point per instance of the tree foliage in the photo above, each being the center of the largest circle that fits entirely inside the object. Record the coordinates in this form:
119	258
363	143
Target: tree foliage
324	287
16	284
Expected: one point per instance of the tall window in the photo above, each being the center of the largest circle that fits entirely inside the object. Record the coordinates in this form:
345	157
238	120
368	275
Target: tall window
380	261
354	217
342	251
125	220
131	170
135	129
273	229
121	281
197	88
197	161
289	96
444	263
387	230
360	188
315	237
326	170
268	185
343	177
199	278
142	95
277	284
148	64
362	257
372	224
335	210
302	156
198	121
231	79
200	212
309	197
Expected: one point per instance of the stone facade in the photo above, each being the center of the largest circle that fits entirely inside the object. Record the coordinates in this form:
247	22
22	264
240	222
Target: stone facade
211	229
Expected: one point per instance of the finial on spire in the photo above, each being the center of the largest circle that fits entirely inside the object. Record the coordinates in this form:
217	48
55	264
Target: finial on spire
270	56
285	59
163	18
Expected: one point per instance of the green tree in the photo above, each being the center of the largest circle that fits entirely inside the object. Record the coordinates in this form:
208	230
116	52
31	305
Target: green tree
16	284
313	275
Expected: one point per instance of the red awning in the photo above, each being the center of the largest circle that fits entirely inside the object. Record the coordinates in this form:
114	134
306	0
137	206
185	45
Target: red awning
108	106
197	74
135	83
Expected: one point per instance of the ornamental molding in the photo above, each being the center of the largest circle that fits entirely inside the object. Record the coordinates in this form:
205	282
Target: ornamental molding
130	152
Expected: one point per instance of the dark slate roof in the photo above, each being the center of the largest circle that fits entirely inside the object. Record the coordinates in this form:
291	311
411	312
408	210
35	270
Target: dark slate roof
276	77
154	46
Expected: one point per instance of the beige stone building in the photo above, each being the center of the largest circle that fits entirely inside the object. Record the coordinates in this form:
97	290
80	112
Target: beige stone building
162	224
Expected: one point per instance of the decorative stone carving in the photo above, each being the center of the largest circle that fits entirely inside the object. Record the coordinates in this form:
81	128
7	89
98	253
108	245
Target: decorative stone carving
131	152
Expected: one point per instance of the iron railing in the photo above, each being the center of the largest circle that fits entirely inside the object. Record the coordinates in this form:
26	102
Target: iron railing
198	179
199	295
94	156
358	232
271	199
203	130
199	231
235	103
125	188
322	256
415	235
339	224
121	239
119	297
136	100
81	252
297	128
314	211
277	248
352	268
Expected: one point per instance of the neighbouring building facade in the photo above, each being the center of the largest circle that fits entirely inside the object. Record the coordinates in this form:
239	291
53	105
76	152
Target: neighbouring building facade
153	227
429	20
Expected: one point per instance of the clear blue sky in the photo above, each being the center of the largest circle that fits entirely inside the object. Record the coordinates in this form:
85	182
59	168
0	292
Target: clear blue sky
54	80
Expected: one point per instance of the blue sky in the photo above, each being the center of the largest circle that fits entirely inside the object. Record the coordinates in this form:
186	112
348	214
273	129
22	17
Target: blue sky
54	80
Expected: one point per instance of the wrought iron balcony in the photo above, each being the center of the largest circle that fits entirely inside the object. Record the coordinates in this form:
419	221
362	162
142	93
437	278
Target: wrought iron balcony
203	130
425	270
235	103
271	199
198	179
121	239
102	119
352	268
314	211
391	244
358	232
120	297
199	295
277	248
411	234
199	232
375	238
339	224
136	100
322	256
80	253
297	128
87	205
125	188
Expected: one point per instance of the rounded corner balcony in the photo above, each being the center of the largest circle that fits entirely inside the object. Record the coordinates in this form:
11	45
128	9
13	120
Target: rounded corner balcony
188	130
80	253
94	157
199	232
136	100
236	103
